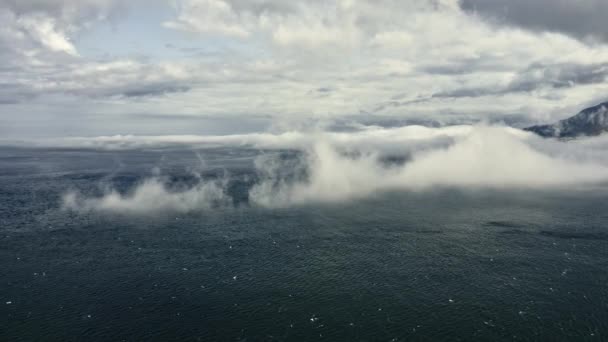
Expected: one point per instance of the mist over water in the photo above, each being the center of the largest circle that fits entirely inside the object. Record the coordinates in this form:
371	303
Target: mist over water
338	167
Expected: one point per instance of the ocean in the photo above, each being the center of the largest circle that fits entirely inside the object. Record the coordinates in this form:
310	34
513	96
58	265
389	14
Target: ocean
398	265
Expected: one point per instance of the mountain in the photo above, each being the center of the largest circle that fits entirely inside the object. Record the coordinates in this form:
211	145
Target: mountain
591	121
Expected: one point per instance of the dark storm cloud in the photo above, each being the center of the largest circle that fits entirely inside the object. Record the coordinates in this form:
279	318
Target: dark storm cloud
583	19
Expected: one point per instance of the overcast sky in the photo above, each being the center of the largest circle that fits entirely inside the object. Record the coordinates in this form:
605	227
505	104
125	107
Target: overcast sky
102	67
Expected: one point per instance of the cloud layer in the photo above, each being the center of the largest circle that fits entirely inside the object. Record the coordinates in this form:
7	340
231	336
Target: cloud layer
151	196
337	167
583	19
445	61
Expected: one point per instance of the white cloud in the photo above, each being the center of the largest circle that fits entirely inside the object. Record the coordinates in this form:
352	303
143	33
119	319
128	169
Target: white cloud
35	28
44	30
369	53
337	167
485	157
427	60
208	17
152	196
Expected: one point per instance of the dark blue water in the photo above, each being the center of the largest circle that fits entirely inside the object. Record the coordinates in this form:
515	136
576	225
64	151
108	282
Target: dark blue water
435	265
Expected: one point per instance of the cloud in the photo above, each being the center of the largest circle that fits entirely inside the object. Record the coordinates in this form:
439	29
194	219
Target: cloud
310	24
401	61
39	56
44	30
366	137
428	51
36	30
559	76
344	166
208	17
537	76
152	196
583	19
486	157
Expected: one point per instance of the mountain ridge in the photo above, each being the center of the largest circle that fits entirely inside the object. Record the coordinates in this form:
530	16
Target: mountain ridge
591	121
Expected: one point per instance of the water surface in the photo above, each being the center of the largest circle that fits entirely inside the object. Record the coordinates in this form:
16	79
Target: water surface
434	265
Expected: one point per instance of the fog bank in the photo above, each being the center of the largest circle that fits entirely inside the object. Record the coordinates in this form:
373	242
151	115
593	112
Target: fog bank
343	166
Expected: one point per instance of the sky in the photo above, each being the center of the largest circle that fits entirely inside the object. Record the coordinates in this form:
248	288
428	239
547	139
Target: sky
73	68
